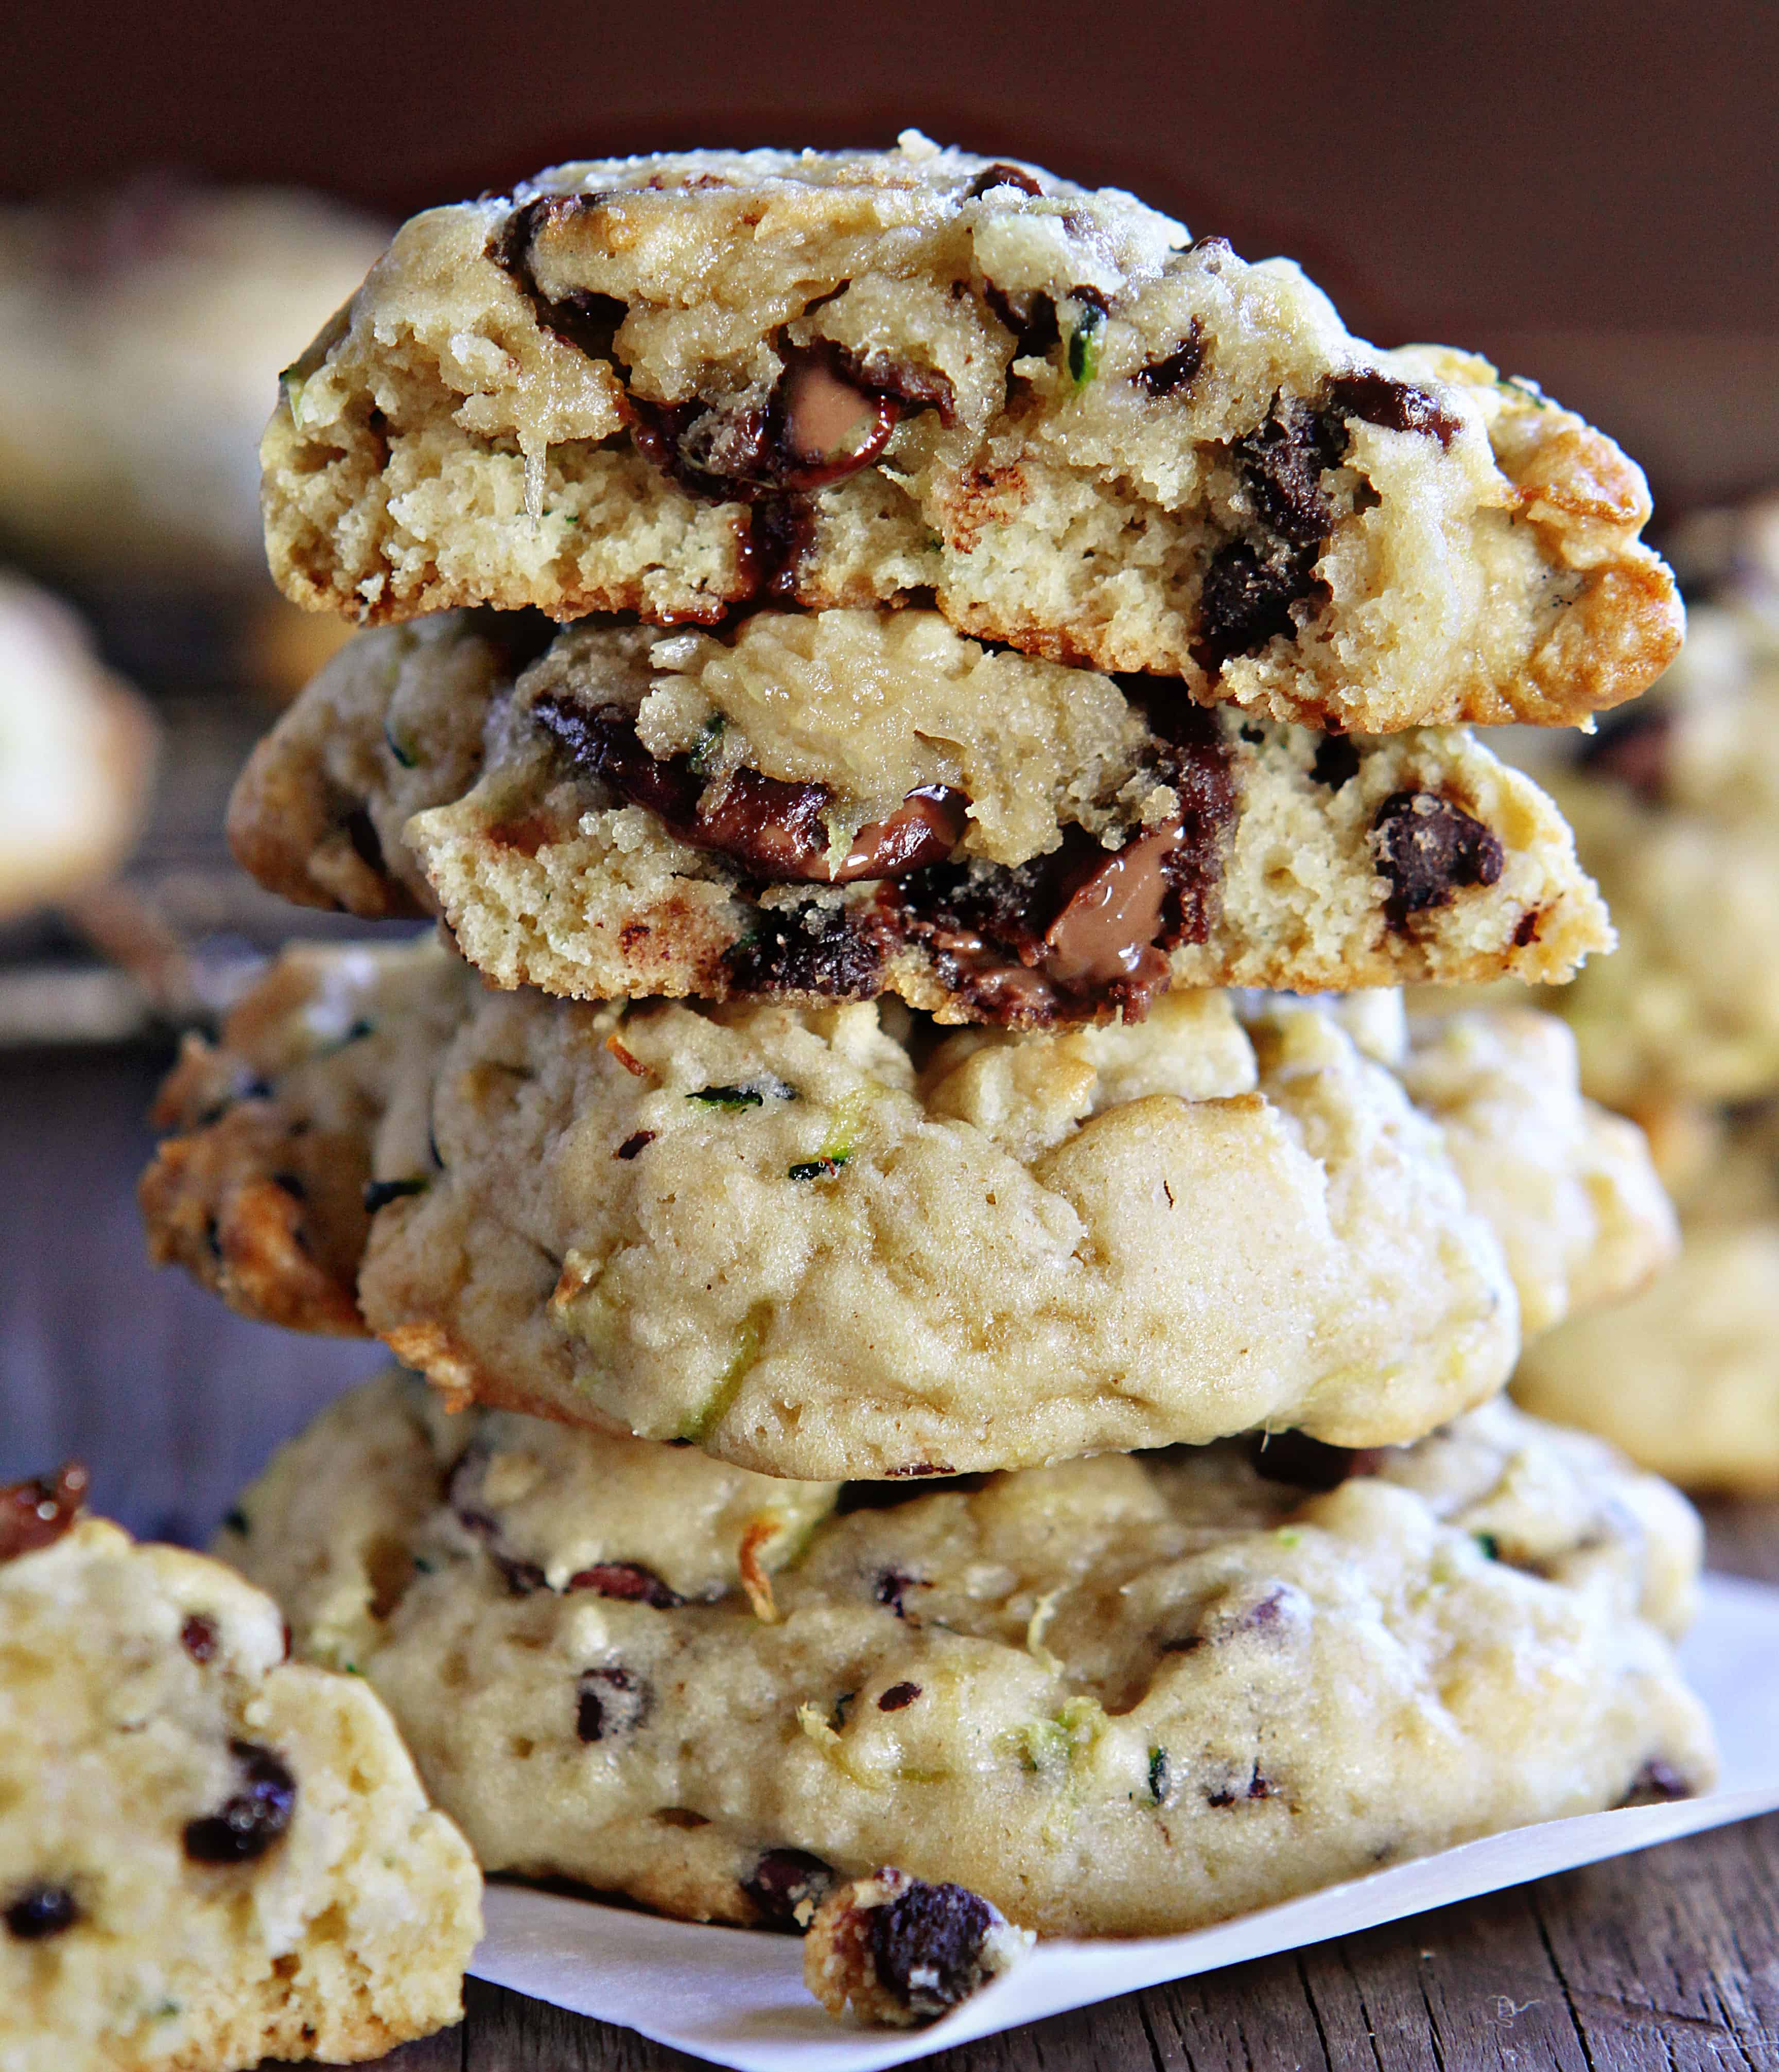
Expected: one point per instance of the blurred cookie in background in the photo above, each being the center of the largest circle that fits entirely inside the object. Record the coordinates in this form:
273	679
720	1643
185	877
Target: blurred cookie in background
1675	807
1685	1376
77	748
141	334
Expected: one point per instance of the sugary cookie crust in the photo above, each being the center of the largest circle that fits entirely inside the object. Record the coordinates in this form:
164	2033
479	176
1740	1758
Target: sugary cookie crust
655	813
206	1859
1125	1696
672	385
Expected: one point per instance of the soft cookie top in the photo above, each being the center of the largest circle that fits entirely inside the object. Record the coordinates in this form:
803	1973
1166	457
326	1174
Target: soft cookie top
673	385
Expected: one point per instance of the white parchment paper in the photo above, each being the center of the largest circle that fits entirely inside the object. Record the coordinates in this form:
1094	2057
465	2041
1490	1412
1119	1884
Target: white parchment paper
736	1997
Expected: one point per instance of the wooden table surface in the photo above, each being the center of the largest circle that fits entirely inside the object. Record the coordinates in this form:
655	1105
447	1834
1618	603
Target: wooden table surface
1668	1958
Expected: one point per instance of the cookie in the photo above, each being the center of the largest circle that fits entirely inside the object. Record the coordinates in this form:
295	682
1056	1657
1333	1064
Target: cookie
1676	808
1685	1376
849	802
674	385
141	335
207	1857
1125	1696
1569	1188
288	1136
76	756
838	1243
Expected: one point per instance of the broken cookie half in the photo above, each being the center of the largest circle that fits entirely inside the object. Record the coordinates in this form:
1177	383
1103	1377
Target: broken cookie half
673	385
839	804
209	1855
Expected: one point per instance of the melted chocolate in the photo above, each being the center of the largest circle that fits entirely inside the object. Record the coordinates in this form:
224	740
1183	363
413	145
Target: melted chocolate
587	321
775	832
1395	405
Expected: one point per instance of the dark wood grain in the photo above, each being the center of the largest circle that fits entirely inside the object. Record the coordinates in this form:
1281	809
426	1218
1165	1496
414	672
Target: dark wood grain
1669	1958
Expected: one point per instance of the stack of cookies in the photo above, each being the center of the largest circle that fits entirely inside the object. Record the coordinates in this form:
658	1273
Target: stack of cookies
966	1324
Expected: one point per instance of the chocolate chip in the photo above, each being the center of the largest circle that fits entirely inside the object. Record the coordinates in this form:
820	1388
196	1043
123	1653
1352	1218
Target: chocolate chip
1256	1786
587	320
610	1702
1394	405
1247	597
1302	1462
1253	579
828	416
787	1885
1179	369
248	1823
834	952
1525	929
1282	463
1085	924
1032	318
1000	175
40	1912
781	532
198	1637
1632	747
638	1140
927	1947
774	831
897	1696
629	1581
891	1586
1657	1783
37	1513
1427	847
1337	761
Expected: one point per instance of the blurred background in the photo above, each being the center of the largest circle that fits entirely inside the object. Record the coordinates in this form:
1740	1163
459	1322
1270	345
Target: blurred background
1587	194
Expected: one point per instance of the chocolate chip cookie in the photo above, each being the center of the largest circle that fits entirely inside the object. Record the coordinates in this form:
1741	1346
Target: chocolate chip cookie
673	385
207	1857
841	803
1125	1696
843	1242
